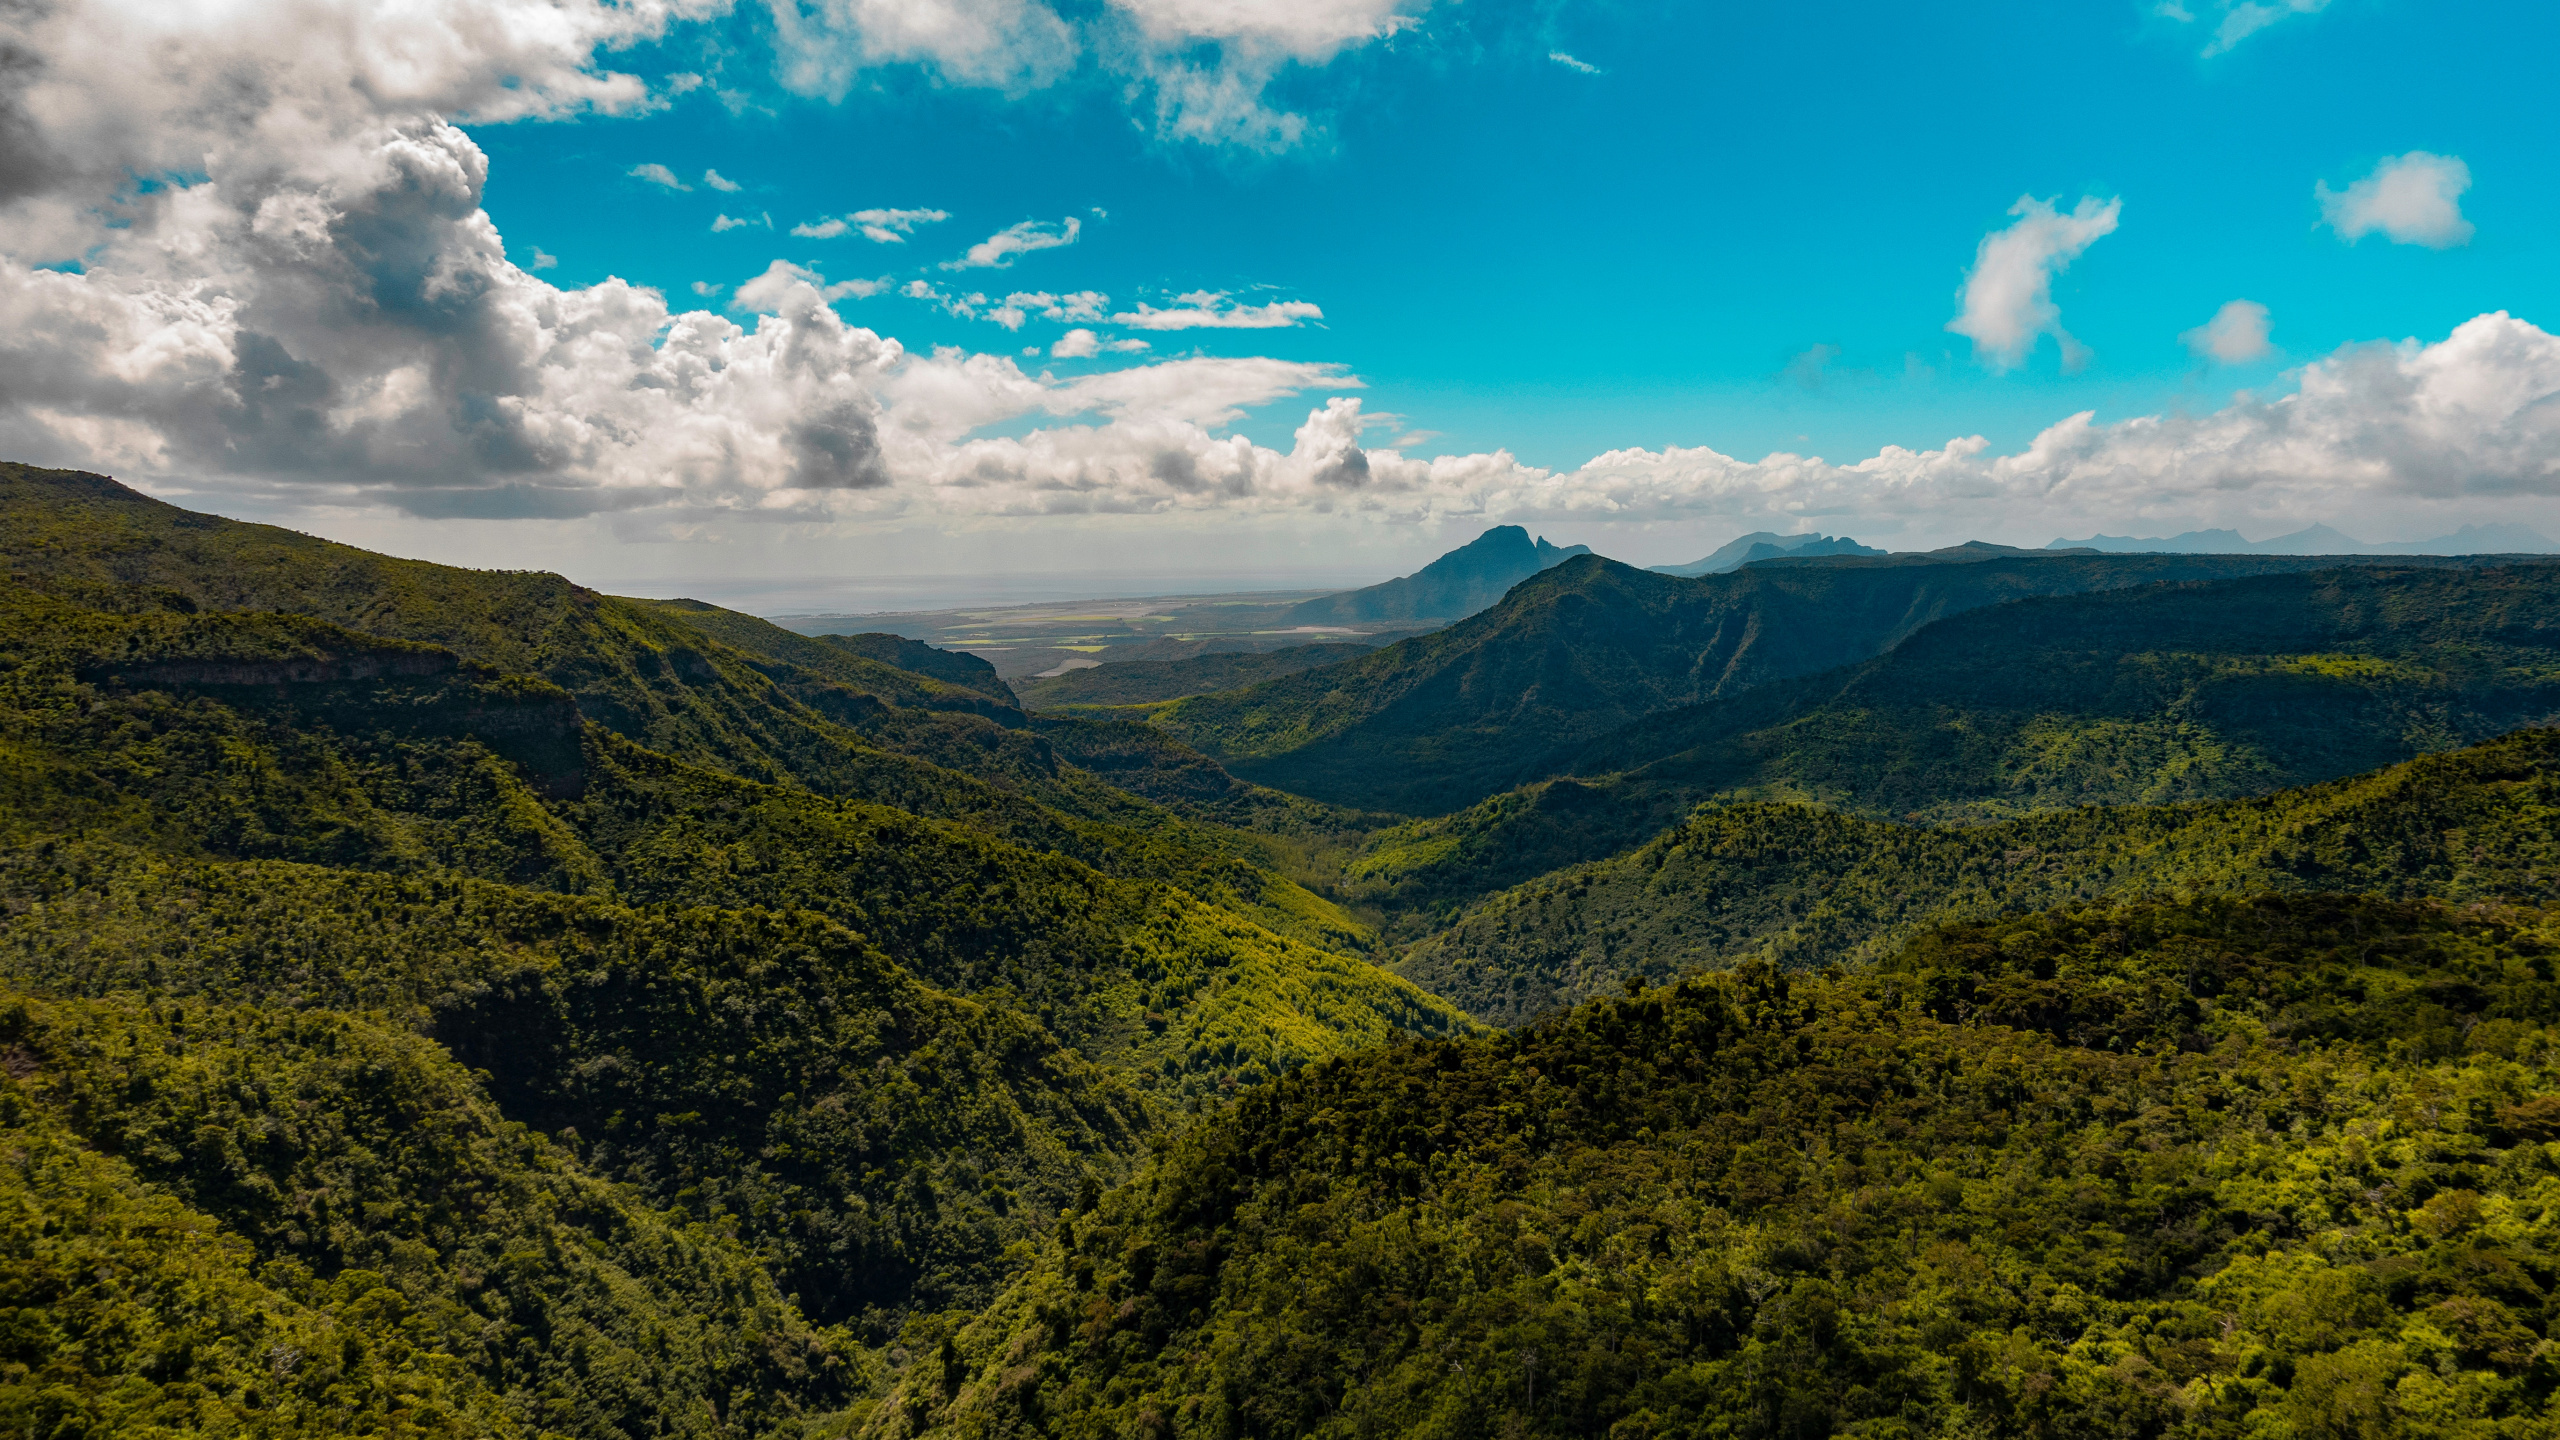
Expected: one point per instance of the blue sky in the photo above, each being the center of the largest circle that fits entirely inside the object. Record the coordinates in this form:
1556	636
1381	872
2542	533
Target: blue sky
519	278
1512	252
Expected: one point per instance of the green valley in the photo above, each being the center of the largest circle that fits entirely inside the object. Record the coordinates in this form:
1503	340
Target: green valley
1968	993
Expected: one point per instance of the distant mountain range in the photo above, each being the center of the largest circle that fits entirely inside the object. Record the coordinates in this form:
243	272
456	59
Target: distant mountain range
1458	584
1765	545
1441	721
2320	540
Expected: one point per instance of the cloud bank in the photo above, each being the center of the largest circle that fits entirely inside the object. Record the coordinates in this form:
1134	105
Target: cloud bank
311	307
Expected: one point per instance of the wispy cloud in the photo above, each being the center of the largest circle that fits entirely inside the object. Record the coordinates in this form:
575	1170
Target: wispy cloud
2008	295
657	174
738	222
2241	21
885	227
1212	310
1583	67
892	227
721	183
543	260
2413	199
1000	249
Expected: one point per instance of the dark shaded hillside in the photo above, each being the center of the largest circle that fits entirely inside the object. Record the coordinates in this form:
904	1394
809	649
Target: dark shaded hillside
1141	682
2199	691
1442	720
2194	691
1457	584
2223	1169
1799	885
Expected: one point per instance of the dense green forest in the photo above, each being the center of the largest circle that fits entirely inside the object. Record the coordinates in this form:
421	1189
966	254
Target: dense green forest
1967	994
2227	1167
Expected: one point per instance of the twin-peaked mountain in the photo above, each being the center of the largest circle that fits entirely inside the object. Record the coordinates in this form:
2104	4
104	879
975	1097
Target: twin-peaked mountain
1457	584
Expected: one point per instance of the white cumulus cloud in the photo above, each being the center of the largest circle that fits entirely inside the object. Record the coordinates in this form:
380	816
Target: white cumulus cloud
720	182
2413	199
2008	295
782	284
657	174
1212	310
2236	335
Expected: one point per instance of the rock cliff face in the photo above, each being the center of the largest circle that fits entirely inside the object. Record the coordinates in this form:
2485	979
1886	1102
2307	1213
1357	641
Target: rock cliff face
1468	579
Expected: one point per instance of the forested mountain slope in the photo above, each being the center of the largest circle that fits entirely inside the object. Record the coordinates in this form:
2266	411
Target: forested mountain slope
713	687
1803	885
2229	1168
2196	691
1440	721
880	1043
795	711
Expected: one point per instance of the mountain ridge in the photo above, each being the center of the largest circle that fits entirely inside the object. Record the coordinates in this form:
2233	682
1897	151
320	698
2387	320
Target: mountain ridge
1440	721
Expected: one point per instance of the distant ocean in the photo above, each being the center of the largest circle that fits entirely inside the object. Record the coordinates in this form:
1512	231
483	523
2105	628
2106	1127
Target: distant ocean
770	595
